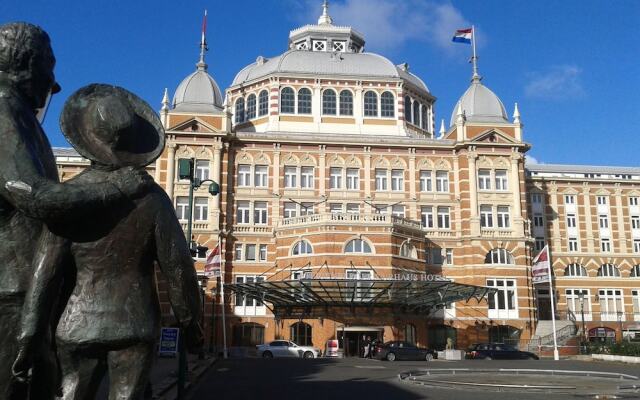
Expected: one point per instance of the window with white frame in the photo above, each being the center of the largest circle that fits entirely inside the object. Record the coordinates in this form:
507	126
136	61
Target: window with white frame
290	177
636	245
426	216
329	102
261	176
346	102
244	175
633	201
448	256
397	210
605	245
304	101
238	253
302	274
306	177
335	208
251	106
538	220
202	169
339	45
263	103
569	199
408	250
397	180
353	208
575	270
260	213
635	222
486	216
370	104
499	256
578	301
262	252
387	105
243	212
182	207
301	247
573	244
307	208
302	45
601	200
503	303
247	305
484	179
335	178
290	210
443	218
501	180
287	101
611	302
381	208
357	246
250	252
381	179
201	208
425	181
603	221
319	45
571	220
609	270
539	243
635	271
353	179
362	289
635	302
503	217
442	181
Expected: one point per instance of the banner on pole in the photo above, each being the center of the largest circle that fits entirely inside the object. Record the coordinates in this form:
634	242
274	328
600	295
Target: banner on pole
541	267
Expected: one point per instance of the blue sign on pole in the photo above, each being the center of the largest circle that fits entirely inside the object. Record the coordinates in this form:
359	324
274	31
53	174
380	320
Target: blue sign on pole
168	342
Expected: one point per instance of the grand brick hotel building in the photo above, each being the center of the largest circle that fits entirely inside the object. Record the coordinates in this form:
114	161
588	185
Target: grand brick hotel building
343	212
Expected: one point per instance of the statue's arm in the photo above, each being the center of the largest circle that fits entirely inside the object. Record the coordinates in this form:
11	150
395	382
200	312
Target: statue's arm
176	264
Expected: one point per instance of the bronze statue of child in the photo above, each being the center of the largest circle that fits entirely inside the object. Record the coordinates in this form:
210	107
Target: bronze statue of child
110	316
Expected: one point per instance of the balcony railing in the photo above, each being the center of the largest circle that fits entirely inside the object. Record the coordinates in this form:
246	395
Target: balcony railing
196	226
348	219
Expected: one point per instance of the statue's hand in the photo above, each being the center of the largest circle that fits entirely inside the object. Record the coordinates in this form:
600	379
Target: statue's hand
194	338
130	181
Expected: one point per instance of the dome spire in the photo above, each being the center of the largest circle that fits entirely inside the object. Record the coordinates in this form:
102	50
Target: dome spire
325	18
165	100
475	78
442	130
201	65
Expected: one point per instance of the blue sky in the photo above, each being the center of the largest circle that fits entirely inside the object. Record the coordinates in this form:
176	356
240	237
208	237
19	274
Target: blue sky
572	66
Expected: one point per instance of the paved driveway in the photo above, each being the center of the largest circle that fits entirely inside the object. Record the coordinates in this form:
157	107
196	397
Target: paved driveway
357	379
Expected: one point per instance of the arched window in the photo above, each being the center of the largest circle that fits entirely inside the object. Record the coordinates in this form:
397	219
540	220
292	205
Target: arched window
416	113
301	334
357	246
239	110
248	334
498	256
263	103
387	106
251	106
304	101
635	271
328	102
301	247
407	109
408	250
346	103
609	270
370	104
425	118
575	269
287	101
410	333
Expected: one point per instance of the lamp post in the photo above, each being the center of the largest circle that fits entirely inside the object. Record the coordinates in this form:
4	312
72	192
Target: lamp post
581	297
620	315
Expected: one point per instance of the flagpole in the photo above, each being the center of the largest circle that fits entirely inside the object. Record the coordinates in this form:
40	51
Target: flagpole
222	302
475	57
556	355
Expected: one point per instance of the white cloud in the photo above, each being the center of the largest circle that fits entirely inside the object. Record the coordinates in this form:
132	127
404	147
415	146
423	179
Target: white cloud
559	82
387	24
530	159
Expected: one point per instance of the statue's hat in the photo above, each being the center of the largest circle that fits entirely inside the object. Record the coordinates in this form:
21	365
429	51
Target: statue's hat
112	126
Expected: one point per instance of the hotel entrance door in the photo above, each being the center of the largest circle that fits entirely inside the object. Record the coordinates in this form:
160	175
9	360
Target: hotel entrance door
352	339
543	301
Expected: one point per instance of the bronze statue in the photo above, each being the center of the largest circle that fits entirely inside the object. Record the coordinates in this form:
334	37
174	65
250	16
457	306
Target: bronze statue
30	194
111	317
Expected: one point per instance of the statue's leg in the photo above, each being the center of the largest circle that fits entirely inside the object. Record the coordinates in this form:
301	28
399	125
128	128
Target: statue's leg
82	372
129	371
10	311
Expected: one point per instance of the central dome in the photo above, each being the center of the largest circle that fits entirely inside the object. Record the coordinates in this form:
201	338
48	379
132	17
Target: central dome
198	92
480	104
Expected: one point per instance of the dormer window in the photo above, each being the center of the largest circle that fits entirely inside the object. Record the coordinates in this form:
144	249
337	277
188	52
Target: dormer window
302	45
319	45
339	46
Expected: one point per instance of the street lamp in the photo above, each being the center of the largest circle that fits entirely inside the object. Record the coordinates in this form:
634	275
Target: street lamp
620	315
581	297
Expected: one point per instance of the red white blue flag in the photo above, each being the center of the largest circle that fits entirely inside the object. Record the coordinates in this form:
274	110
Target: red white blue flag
463	35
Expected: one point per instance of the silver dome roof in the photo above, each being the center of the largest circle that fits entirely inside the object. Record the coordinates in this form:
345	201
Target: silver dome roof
198	92
480	104
314	63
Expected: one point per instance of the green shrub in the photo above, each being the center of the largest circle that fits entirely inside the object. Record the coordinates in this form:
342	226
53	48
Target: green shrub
618	349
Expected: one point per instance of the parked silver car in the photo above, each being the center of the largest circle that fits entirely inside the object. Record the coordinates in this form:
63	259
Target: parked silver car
285	348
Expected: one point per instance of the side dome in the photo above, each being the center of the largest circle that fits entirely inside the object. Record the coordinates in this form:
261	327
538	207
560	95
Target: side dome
480	104
198	92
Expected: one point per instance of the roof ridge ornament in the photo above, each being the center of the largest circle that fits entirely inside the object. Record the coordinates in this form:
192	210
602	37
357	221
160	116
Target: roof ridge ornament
516	114
202	65
325	18
165	100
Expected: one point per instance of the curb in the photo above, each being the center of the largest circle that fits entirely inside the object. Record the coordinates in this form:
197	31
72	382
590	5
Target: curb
168	387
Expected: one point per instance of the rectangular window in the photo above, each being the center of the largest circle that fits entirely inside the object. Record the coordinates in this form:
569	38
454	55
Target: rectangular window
381	179
442	181
573	244
397	180
536	198
182	207
306	208
290	210
486	216
335	178
501	180
425	181
503	217
443	218
569	199
448	256
571	220
538	220
426	216
635	222
201	206
335	208
602	200
605	245
202	169
633	201
611	301
539	243
636	246
397	210
244	175
242	212
260	213
290	177
250	252
238	252
353	208
306	177
435	255
579	302
261	176
484	179
262	252
635	300
353	179
502	303
603	221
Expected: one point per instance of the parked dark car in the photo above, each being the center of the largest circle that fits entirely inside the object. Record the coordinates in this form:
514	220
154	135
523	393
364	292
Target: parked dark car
398	350
498	351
